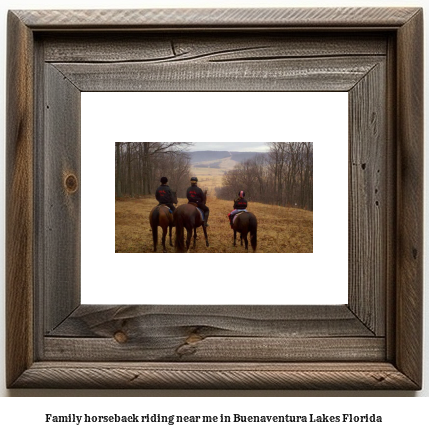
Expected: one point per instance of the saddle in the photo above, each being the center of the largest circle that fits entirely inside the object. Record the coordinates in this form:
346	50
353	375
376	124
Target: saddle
237	214
164	205
198	209
201	213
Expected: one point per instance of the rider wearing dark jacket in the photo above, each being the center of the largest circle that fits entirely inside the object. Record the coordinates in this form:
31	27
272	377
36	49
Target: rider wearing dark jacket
194	194
240	204
164	195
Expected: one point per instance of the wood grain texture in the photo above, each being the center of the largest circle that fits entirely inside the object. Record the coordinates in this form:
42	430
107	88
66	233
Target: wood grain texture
391	192
19	200
215	376
230	18
39	200
213	333
170	46
61	186
154	347
368	201
410	199
99	321
331	74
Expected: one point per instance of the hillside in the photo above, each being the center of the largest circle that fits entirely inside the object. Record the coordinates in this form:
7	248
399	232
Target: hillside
221	160
198	157
210	166
203	156
280	230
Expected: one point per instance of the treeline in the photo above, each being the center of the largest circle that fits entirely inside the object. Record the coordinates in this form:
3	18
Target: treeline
140	165
282	176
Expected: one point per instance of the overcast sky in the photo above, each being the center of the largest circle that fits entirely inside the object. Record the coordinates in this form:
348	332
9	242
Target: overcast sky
229	146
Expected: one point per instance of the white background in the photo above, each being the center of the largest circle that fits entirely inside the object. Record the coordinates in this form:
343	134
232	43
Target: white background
403	414
286	278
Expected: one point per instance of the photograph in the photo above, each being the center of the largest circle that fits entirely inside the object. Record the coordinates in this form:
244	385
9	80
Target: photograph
258	195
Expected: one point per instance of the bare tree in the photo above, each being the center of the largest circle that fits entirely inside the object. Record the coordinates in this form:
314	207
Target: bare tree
139	165
283	176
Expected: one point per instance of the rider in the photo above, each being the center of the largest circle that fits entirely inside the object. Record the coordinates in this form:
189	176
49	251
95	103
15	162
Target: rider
164	195
240	205
194	194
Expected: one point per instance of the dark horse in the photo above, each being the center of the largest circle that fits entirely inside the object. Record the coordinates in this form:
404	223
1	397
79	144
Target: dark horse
246	223
186	216
161	216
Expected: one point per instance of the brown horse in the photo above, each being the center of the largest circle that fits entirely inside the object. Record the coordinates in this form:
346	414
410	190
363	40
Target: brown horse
186	216
161	216
246	223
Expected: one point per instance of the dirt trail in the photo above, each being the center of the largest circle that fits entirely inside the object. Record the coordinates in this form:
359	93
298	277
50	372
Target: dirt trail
280	230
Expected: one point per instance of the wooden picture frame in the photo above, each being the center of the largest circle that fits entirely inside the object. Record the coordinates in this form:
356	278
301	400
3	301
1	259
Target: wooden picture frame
373	342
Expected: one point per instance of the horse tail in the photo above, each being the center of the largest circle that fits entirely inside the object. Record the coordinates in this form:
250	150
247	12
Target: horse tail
253	227
180	234
154	224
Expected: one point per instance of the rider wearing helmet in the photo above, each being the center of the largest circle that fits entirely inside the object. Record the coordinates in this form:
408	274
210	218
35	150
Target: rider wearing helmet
194	194
164	195
240	204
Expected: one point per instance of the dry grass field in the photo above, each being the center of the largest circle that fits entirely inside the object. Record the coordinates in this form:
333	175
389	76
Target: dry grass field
280	230
209	178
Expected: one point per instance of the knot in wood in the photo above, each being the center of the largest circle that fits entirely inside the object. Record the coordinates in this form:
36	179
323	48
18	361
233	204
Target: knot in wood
193	337
120	337
71	183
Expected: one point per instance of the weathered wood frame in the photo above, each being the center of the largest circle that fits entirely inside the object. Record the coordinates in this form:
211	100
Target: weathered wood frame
374	342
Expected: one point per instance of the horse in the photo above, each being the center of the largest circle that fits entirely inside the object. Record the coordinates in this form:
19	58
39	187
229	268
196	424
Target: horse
186	216
161	216
245	223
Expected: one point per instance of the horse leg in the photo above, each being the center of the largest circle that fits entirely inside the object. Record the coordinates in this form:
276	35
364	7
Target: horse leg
235	238
155	238
164	235
195	237
188	238
205	235
246	244
170	230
